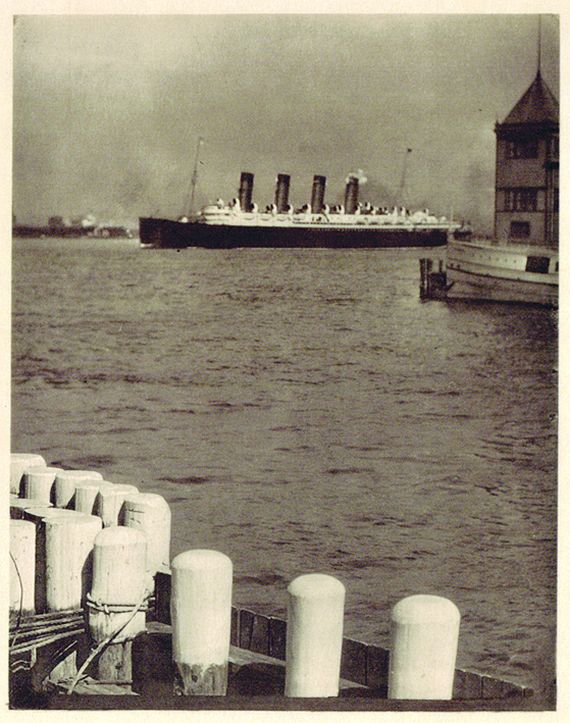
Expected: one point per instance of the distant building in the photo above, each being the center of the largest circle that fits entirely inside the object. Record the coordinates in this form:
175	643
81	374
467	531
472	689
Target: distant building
527	163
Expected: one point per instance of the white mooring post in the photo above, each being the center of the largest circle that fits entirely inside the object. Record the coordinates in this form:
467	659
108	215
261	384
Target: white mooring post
86	493
38	515
67	480
22	566
425	632
69	545
110	501
19	506
39	482
314	636
200	607
69	537
119	586
19	463
150	513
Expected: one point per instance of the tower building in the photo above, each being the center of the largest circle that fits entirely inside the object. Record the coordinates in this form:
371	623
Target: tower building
527	167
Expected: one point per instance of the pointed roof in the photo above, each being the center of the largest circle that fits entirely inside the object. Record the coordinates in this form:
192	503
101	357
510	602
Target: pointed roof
537	105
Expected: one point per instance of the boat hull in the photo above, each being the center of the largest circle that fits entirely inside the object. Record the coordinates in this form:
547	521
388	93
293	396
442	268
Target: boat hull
164	233
500	273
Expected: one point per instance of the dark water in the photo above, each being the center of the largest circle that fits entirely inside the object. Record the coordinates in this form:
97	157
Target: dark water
303	411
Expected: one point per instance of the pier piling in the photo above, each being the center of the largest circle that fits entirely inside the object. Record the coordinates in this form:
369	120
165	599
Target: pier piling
19	507
110	501
69	544
116	601
314	636
66	482
39	482
19	463
22	566
425	631
67	538
150	513
86	492
37	515
201	621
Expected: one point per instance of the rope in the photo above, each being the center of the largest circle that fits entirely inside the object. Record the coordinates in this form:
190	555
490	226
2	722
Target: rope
19	618
109	608
107	641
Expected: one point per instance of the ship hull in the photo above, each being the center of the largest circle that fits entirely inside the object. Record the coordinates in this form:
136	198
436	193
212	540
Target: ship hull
493	273
164	233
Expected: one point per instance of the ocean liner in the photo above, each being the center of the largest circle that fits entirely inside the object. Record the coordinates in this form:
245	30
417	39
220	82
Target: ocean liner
240	223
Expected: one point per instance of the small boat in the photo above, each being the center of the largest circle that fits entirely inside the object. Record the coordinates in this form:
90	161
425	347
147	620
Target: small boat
488	271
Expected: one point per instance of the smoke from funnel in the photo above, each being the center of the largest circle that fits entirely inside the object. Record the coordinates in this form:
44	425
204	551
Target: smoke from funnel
358	176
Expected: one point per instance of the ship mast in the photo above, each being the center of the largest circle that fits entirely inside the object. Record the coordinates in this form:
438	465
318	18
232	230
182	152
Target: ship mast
194	180
539	45
402	187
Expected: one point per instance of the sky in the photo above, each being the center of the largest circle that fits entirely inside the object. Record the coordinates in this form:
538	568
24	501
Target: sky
108	109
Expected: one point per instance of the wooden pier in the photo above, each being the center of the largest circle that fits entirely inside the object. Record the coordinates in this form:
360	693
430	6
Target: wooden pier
97	642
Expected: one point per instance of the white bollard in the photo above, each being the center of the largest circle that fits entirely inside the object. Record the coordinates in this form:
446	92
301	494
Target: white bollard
66	481
425	631
150	513
19	506
314	636
200	608
110	501
22	566
37	513
69	545
86	493
19	463
119	577
39	482
38	516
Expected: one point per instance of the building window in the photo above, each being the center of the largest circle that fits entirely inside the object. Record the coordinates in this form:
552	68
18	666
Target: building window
537	264
554	147
520	229
521	199
523	148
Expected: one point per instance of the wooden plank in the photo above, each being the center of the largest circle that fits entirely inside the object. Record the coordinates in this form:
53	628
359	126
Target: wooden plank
90	686
377	667
261	664
245	628
253	631
162	589
491	687
513	689
259	641
152	663
277	638
234	631
353	661
467	685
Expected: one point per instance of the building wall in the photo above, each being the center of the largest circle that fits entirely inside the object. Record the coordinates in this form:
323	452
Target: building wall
526	189
520	171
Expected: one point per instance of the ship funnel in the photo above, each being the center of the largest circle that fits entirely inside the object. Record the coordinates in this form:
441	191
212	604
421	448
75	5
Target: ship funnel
245	194
282	192
318	194
351	194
